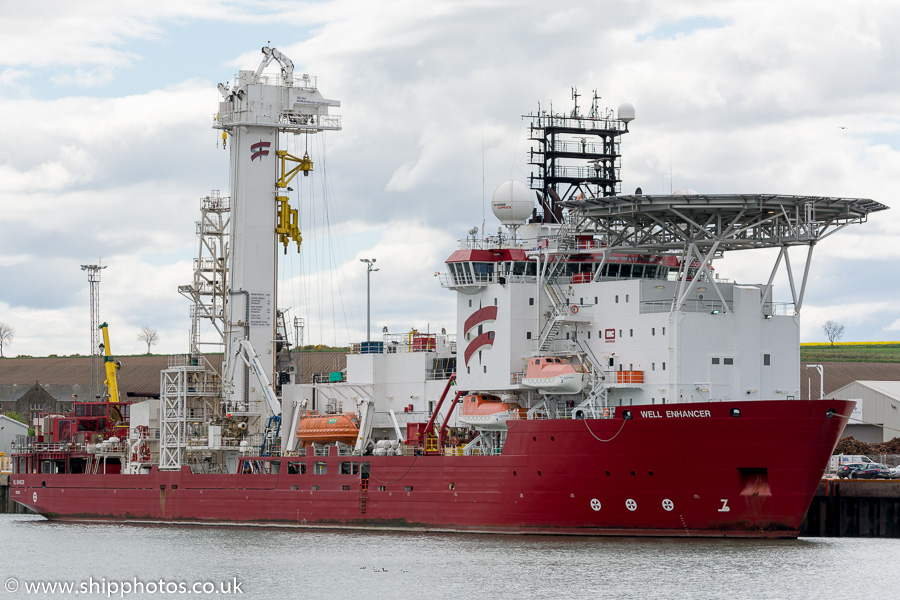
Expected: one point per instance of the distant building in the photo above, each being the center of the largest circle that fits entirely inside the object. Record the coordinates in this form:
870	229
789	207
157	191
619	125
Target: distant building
34	401
877	414
9	429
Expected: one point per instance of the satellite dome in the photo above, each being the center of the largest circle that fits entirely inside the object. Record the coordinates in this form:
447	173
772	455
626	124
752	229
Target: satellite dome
626	112
512	203
685	192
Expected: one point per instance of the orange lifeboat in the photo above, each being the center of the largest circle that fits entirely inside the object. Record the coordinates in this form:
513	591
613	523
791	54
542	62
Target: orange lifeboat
486	411
315	428
550	375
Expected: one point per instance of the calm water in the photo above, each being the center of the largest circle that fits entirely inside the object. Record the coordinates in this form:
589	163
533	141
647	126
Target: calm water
271	563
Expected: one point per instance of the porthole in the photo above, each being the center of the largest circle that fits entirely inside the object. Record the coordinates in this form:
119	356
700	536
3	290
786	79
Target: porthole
735	412
633	473
626	414
607	473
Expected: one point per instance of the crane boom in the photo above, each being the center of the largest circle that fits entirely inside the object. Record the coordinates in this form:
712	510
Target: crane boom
287	66
111	365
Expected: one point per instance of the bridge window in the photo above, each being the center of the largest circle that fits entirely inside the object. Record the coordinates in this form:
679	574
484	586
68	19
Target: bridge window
320	468
728	361
296	468
715	360
483	271
349	468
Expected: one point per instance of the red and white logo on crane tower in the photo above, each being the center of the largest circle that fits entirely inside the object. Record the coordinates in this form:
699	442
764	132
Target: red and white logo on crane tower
259	149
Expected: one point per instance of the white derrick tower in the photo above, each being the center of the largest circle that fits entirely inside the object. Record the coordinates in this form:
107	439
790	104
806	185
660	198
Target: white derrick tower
254	110
238	267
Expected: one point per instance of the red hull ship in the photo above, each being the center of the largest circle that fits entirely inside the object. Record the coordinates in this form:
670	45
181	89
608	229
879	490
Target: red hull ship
693	470
611	384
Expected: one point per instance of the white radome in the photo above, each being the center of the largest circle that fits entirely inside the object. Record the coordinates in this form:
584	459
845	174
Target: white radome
512	203
626	112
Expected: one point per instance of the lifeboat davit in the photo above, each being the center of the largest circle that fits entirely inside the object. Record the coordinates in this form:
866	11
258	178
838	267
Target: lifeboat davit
550	375
486	411
315	428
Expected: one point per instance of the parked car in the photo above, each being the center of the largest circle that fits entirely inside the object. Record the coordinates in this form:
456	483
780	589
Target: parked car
845	470
895	472
872	471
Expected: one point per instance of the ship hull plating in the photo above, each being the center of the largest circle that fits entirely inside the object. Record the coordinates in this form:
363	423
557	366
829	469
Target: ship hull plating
670	470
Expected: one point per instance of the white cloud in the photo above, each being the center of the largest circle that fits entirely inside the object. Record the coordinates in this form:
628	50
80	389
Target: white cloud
738	97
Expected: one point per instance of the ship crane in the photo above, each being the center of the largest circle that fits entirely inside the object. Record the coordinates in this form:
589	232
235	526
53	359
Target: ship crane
111	365
287	66
273	425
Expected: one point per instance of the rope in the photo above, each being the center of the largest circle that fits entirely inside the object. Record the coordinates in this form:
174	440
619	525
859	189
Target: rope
622	426
415	458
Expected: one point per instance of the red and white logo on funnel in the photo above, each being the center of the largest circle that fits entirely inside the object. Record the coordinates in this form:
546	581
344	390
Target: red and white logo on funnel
483	340
259	149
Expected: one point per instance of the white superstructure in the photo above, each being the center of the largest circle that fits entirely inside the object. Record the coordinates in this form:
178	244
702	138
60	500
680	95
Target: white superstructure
649	319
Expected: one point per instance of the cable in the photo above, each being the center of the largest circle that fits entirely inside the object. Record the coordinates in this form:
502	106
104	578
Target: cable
415	458
622	426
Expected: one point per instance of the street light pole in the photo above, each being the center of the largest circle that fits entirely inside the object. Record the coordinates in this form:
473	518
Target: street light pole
820	369
369	262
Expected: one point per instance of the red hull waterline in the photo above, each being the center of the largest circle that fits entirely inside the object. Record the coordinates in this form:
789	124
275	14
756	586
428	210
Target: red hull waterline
671	470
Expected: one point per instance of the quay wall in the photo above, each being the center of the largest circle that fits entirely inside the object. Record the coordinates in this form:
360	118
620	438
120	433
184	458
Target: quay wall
854	508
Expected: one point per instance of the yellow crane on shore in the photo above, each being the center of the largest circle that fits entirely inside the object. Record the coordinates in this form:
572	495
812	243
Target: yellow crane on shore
111	365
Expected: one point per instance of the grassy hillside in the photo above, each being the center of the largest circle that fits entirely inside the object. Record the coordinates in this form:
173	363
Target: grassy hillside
851	352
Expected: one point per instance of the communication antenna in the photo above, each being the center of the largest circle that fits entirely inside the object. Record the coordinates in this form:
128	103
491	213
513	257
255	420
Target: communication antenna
670	167
483	200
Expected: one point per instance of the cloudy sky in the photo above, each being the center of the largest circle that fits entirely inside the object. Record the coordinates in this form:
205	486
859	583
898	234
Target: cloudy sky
106	145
